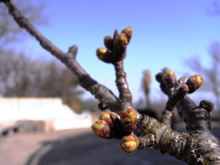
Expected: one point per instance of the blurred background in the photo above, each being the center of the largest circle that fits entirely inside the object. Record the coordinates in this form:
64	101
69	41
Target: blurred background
41	97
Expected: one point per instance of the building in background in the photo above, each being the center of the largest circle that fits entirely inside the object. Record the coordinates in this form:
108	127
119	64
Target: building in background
52	111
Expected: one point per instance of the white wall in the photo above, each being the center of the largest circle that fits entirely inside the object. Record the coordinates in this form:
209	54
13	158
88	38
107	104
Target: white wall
52	109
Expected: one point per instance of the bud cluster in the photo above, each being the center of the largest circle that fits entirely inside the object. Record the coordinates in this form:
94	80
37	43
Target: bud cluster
167	78
106	125
103	127
115	46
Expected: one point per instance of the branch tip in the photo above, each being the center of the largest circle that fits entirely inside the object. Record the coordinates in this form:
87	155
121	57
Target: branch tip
207	105
73	51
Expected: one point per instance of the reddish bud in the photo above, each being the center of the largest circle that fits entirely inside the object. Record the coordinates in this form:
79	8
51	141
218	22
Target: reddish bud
183	91
104	55
101	129
128	32
108	41
194	83
121	39
105	116
185	88
169	77
129	143
128	119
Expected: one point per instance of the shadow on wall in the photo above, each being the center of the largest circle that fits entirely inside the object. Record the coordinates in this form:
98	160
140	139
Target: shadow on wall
88	149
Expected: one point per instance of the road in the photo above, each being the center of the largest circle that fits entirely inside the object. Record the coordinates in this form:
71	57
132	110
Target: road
75	147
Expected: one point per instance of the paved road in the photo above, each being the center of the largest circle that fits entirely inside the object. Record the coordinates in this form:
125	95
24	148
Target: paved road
16	149
75	148
87	149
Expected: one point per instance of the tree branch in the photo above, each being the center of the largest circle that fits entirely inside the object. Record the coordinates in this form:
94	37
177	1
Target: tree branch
115	53
199	146
193	149
105	96
125	94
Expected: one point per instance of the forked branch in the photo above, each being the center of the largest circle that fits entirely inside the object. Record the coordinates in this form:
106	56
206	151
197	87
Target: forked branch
105	96
199	146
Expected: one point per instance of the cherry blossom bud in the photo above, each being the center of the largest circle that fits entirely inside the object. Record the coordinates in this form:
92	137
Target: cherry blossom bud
104	55
128	32
106	116
129	143
120	44
101	129
169	77
194	83
121	39
128	119
108	41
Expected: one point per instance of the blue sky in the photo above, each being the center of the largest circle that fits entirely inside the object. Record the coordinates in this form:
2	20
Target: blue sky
165	33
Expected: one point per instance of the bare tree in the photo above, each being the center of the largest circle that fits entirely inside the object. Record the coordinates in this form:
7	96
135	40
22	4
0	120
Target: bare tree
11	32
146	86
147	109
198	146
11	74
210	73
22	77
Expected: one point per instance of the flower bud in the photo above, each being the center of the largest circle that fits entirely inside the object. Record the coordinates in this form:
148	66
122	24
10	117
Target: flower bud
128	119
128	32
120	44
108	41
104	55
101	129
121	39
169	77
129	143
183	90
194	83
106	116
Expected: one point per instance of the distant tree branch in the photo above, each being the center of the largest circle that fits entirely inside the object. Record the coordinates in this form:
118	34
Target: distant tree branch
106	97
11	32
